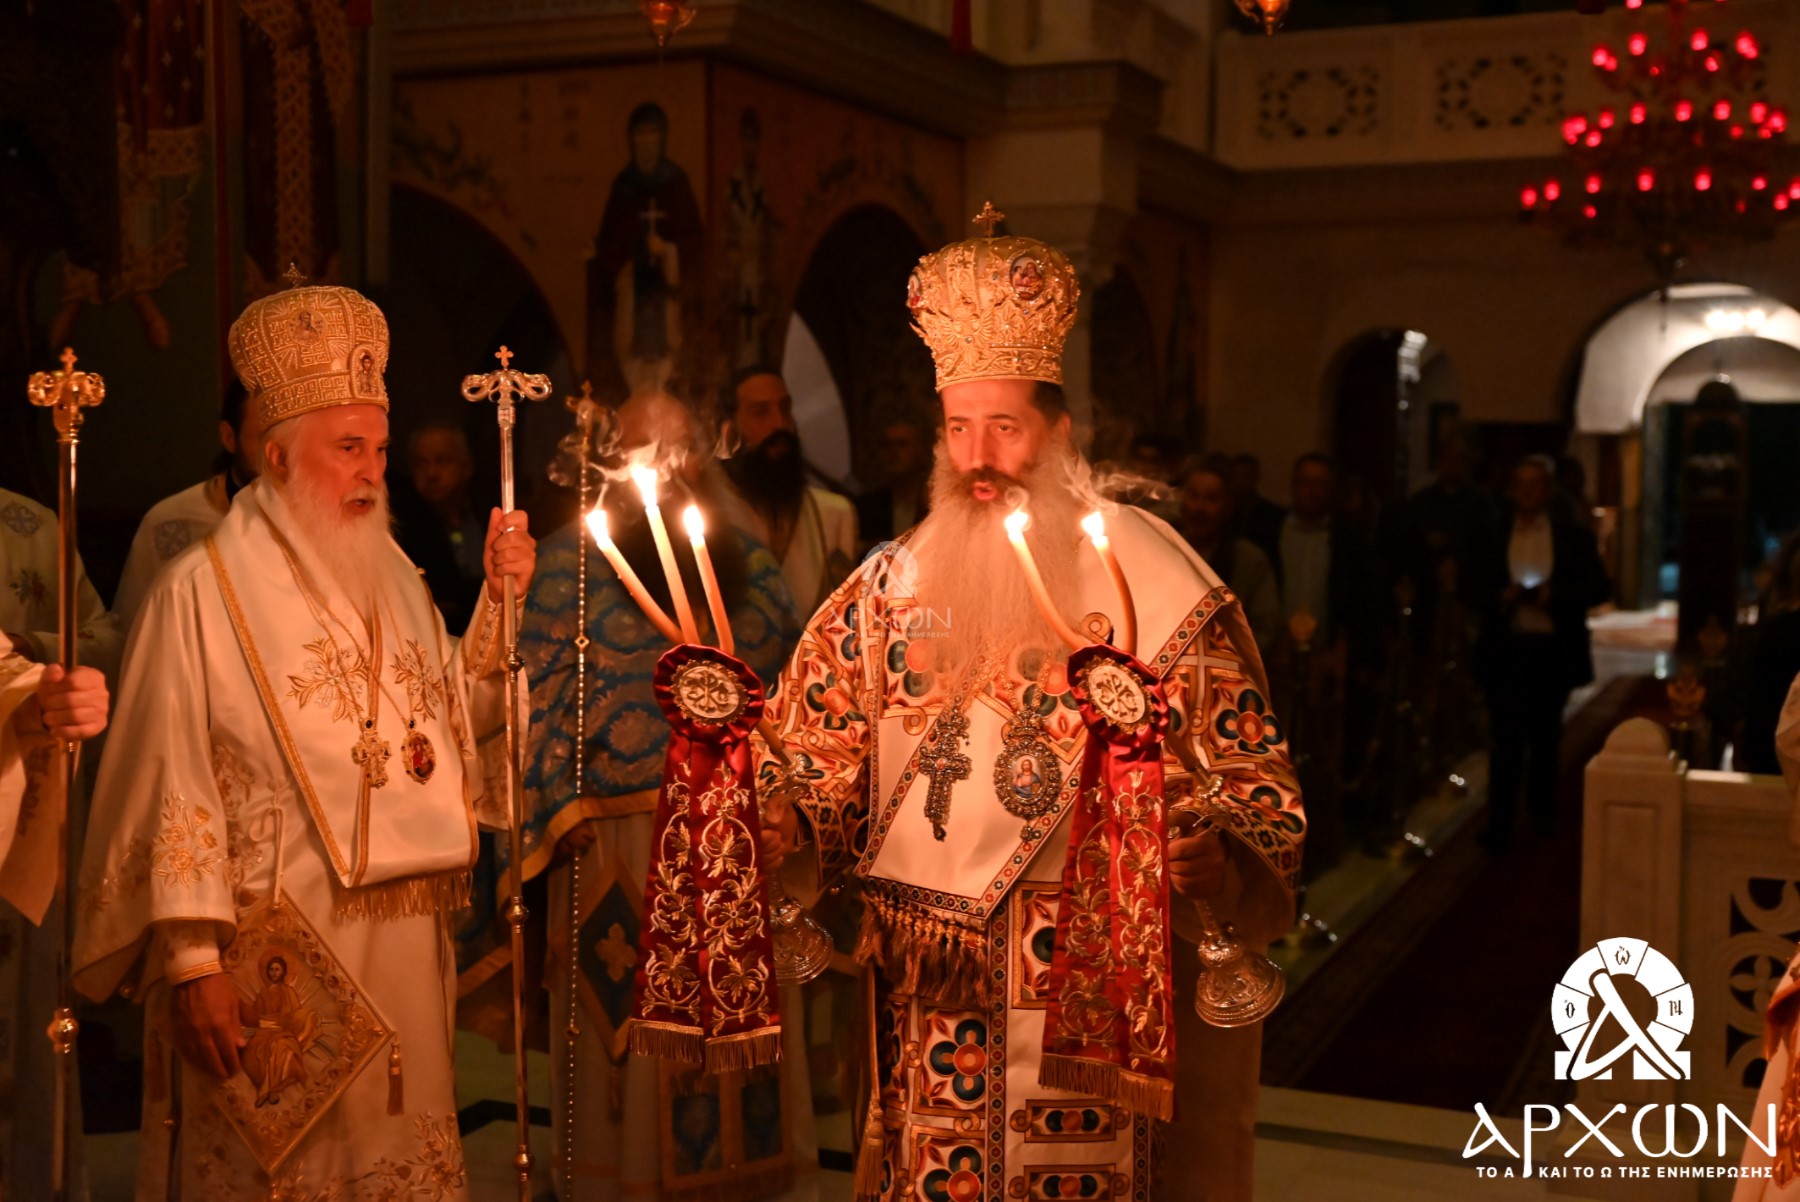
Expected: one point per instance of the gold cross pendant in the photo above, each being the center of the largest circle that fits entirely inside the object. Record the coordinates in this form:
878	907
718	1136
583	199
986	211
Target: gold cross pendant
371	755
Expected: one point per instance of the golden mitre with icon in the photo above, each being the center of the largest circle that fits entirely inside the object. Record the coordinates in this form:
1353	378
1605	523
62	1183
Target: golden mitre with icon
310	347
994	308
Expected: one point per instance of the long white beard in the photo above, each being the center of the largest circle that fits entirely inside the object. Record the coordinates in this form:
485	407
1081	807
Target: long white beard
971	588
354	548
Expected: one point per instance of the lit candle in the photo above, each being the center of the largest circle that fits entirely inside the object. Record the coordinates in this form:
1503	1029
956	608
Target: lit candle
597	526
645	478
1016	521
1095	526
695	521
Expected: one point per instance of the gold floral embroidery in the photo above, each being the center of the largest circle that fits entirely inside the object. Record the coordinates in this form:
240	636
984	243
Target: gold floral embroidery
243	854
336	677
433	1173
132	875
186	849
423	684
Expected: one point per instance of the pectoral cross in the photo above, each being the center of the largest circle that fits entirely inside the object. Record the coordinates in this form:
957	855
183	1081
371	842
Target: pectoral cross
614	951
944	762
651	216
371	755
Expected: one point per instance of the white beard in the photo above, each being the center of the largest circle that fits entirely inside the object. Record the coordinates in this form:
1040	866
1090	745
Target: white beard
353	548
970	585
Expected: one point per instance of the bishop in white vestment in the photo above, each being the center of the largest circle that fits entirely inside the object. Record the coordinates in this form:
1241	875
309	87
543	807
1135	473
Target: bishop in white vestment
288	815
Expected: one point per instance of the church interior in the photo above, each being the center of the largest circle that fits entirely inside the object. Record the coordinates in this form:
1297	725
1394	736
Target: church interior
1371	290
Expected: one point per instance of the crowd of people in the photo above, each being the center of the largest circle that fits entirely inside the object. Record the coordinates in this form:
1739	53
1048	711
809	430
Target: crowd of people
1465	609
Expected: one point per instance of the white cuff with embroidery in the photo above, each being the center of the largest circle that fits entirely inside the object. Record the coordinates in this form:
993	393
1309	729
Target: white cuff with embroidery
190	951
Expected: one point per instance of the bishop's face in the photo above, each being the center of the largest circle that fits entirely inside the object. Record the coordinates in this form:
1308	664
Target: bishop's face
994	433
342	453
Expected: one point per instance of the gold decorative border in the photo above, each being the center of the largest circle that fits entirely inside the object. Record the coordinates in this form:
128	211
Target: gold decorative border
273	707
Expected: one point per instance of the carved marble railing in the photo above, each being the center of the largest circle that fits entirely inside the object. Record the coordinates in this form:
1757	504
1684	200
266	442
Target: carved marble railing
1704	866
1494	88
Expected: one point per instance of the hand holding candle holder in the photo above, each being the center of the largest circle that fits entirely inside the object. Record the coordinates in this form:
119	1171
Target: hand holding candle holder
802	947
1237	986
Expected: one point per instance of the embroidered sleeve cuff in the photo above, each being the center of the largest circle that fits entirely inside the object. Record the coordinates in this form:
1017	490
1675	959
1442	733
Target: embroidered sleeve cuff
209	969
189	951
482	648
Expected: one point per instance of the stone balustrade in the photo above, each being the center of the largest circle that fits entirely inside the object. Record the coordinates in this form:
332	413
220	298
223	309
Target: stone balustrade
1703	865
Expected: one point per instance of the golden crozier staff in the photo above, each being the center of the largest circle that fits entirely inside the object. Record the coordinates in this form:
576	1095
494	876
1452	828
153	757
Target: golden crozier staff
506	388
66	393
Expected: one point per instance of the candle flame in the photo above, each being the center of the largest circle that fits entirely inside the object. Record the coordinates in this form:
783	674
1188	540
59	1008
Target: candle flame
695	521
646	480
1016	521
1094	524
596	524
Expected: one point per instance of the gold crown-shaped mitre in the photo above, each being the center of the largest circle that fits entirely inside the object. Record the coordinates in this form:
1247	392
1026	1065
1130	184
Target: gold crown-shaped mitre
310	348
994	308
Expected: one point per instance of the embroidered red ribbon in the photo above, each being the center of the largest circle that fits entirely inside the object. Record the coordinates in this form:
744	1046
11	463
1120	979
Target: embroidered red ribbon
1109	1030
706	991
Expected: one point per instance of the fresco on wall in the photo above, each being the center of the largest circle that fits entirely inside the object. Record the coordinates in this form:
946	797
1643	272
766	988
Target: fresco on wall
549	163
1149	339
649	236
159	84
668	260
823	209
748	260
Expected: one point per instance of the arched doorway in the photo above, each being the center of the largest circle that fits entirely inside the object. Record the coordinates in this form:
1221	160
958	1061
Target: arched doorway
1123	375
455	294
851	303
1640	370
1766	375
1392	399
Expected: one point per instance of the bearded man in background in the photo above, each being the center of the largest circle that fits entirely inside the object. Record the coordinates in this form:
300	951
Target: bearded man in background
810	530
302	761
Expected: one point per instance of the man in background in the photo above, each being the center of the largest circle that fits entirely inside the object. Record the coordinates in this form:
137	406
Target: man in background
1258	518
810	530
903	498
1545	574
1205	501
190	514
436	521
1304	548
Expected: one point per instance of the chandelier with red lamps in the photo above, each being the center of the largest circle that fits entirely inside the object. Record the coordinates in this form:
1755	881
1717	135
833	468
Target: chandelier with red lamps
1688	156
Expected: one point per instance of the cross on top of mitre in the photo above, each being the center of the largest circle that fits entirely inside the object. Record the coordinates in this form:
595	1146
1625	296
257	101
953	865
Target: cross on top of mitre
293	275
988	218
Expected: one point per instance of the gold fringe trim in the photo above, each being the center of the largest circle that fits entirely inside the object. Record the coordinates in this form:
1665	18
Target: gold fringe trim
865	1185
406	897
746	1185
924	954
666	1041
1153	1097
745	1050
